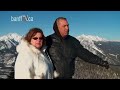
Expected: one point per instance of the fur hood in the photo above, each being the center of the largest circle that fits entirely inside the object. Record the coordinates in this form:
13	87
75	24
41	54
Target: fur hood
25	46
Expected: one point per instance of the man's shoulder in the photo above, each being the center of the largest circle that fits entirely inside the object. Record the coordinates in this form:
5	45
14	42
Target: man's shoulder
50	36
50	39
73	38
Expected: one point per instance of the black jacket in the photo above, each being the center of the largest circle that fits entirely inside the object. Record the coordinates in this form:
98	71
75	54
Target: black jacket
63	53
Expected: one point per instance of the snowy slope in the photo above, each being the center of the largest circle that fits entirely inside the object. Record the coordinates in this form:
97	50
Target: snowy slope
108	50
9	40
88	42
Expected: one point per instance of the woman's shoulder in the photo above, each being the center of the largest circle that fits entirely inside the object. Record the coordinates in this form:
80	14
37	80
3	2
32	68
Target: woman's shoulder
22	46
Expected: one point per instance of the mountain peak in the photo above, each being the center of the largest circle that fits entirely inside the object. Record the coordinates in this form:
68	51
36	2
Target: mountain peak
10	36
88	42
90	38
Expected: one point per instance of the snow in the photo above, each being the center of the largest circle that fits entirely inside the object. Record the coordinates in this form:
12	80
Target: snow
10	40
114	55
88	42
91	38
11	36
99	44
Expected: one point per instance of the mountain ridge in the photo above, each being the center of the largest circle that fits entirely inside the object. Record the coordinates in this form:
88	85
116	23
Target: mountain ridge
107	50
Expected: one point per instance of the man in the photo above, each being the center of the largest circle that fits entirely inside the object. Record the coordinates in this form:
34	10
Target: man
63	49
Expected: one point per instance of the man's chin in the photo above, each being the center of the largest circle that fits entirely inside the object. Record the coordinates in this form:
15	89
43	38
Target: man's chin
65	36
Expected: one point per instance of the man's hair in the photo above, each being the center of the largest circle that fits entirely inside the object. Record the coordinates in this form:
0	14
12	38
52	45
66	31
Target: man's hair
32	32
56	22
55	26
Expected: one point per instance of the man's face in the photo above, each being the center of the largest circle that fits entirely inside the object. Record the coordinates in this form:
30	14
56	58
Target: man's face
63	27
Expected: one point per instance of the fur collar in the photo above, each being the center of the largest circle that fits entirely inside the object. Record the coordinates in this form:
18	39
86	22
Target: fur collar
24	46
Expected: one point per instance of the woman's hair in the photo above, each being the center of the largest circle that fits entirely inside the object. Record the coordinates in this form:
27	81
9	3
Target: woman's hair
32	32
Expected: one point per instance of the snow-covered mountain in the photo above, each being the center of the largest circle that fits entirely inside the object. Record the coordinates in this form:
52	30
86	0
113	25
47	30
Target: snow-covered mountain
10	40
88	42
90	38
108	50
9	36
8	53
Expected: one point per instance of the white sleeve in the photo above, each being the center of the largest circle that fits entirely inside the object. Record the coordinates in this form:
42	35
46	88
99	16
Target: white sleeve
22	67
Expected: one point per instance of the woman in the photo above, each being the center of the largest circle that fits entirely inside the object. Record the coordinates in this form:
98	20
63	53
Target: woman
33	61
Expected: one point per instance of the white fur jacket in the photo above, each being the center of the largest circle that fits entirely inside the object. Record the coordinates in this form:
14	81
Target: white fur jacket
32	64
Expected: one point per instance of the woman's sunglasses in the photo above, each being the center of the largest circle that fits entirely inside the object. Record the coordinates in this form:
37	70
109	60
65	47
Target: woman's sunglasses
36	38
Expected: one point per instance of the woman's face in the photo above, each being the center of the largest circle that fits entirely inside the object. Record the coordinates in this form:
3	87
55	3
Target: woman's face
37	40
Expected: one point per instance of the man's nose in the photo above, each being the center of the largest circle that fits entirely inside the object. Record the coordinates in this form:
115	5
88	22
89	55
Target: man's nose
66	27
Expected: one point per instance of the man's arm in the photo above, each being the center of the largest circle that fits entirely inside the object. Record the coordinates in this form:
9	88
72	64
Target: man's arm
57	60
90	57
55	55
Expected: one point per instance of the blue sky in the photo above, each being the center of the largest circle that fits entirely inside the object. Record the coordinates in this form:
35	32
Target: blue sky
105	24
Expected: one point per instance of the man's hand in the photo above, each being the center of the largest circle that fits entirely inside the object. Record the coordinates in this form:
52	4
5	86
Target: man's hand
105	64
